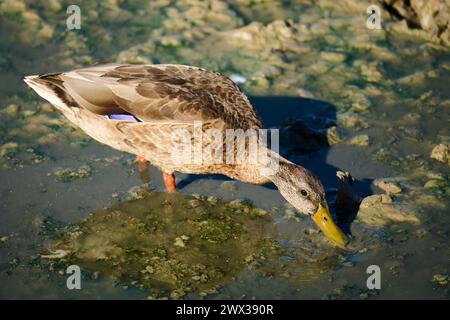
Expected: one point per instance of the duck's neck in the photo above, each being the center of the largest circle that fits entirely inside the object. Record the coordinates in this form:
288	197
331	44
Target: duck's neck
275	170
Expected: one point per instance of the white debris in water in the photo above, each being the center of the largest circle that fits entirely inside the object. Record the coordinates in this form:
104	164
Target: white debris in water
238	79
58	254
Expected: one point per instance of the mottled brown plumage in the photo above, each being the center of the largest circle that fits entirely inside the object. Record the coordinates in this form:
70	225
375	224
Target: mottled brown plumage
165	98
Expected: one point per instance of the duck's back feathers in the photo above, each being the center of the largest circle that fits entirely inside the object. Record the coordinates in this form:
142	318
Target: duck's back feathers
157	93
137	108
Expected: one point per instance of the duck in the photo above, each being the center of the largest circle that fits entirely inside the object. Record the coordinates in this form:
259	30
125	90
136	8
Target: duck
137	108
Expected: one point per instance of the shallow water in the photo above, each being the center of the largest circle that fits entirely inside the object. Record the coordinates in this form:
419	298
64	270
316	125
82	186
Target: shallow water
390	85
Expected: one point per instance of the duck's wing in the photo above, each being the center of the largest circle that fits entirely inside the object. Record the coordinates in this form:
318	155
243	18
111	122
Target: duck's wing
158	93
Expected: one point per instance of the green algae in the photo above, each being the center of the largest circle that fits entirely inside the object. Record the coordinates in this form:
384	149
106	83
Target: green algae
68	174
171	245
168	243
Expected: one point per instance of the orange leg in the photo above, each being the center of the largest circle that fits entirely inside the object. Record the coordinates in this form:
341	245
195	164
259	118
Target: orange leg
169	182
141	159
142	165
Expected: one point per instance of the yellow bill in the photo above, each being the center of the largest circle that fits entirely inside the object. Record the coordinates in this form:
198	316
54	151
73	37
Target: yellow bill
324	221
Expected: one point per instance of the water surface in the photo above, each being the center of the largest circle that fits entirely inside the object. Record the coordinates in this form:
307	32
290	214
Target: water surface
61	190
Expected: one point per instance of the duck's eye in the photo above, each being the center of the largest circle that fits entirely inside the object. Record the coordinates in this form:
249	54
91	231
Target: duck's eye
303	192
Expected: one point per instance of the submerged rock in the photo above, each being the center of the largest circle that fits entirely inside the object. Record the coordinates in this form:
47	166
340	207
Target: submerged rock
434	184
7	148
377	212
416	78
333	56
441	279
351	120
181	241
11	110
360	141
371	72
375	199
389	187
69	174
335	135
441	153
138	192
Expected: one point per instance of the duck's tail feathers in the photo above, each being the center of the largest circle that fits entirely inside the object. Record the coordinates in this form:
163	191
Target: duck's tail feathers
49	87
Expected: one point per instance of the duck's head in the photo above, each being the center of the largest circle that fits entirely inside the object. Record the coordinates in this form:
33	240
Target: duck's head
305	192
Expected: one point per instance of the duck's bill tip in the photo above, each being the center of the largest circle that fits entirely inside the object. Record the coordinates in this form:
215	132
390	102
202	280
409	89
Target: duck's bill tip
325	222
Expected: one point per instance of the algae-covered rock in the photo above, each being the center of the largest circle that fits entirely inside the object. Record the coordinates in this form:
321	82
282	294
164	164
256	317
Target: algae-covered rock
390	187
360	140
69	174
351	120
11	110
373	200
371	72
11	7
8	148
335	135
434	184
416	78
333	56
380	212
441	279
441	153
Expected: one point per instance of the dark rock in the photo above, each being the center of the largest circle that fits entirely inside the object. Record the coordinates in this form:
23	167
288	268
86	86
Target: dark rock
347	202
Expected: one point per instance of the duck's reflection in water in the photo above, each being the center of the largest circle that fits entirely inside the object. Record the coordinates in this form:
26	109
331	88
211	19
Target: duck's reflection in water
171	243
144	172
175	244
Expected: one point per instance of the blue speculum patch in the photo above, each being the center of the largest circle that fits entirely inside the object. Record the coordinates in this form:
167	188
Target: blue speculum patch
128	117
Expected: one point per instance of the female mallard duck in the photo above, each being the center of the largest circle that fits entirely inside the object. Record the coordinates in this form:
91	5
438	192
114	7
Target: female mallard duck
136	109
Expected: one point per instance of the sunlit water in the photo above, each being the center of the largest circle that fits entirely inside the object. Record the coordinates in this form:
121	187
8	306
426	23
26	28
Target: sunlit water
62	191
